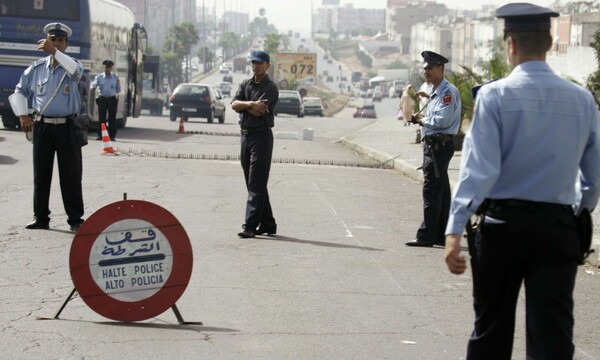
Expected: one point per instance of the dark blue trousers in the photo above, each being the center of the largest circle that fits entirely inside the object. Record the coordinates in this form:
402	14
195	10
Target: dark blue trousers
436	194
256	153
537	247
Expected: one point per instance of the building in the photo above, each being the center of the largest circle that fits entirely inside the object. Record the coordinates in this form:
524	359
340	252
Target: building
160	15
347	19
401	15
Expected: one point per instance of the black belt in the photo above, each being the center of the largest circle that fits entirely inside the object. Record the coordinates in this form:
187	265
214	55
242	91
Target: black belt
254	130
439	137
515	203
108	97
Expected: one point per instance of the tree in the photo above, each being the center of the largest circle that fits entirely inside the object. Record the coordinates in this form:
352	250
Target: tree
177	46
272	42
230	42
593	81
207	56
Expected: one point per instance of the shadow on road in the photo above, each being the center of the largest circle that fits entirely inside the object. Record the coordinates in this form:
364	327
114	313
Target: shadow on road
317	243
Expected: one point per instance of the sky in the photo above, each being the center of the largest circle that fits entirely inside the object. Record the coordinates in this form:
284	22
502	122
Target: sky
295	14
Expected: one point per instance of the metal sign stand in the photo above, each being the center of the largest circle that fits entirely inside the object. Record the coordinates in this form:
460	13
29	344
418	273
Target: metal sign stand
180	319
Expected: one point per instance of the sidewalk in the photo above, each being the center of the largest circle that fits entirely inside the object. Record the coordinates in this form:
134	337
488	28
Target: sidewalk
388	140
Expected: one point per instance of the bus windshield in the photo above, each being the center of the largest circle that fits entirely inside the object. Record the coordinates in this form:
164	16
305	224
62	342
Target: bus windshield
41	9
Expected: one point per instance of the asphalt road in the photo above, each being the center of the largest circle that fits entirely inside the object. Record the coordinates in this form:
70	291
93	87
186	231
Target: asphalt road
336	282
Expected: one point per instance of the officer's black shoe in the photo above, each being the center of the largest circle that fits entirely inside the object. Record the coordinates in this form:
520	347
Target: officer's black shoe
36	224
269	230
75	227
417	243
247	233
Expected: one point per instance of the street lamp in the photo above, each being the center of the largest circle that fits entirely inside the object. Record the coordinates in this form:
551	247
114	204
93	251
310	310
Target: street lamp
341	87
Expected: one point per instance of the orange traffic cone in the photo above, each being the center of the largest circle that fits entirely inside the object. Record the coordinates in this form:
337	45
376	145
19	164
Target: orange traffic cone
181	128
106	144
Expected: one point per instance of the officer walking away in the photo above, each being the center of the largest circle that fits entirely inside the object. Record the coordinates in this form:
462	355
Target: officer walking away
50	84
108	87
255	101
533	138
439	120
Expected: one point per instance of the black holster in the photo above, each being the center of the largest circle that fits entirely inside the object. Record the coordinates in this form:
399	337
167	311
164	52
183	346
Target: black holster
585	229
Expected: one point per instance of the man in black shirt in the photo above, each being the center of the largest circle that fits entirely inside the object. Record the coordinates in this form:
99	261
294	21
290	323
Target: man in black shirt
255	101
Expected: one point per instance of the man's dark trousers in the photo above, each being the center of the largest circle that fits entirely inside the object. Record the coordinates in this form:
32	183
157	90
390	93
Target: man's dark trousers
48	140
256	153
108	105
537	246
436	194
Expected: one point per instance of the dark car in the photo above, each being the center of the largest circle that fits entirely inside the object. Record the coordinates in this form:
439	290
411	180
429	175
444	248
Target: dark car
196	100
313	105
290	102
228	78
367	111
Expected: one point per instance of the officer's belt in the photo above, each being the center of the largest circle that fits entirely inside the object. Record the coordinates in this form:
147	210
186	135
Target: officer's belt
516	203
54	120
254	130
443	138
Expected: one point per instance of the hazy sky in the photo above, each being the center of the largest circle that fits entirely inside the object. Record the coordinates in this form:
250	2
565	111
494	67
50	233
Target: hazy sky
295	14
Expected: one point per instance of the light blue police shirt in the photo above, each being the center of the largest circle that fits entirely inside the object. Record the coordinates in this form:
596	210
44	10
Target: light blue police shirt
443	112
533	137
39	81
108	86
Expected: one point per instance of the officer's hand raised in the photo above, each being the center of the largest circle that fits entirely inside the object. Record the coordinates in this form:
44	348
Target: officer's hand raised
47	45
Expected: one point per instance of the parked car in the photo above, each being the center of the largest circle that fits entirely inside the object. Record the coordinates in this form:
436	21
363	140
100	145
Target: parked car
225	88
290	102
313	105
191	100
366	111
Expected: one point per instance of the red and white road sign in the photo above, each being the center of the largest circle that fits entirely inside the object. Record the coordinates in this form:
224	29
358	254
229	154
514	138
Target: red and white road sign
131	260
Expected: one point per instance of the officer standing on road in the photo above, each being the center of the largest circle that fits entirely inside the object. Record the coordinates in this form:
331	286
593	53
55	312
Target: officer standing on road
255	101
108	87
533	137
51	85
438	127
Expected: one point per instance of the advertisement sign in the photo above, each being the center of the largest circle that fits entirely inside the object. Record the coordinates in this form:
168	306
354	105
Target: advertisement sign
295	67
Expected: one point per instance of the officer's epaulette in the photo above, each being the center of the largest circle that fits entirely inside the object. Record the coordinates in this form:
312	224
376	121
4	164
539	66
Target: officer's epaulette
39	62
475	89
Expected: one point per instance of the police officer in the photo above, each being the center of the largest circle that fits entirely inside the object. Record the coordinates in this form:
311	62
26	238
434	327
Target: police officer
55	75
439	123
108	87
255	101
533	137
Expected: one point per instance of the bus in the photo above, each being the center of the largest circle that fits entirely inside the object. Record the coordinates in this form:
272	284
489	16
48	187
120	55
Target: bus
102	29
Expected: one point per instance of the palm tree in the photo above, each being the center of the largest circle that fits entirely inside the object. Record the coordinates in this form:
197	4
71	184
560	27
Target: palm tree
272	42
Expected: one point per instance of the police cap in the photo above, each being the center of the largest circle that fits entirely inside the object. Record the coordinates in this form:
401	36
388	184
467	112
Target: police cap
108	63
260	57
525	17
430	58
57	29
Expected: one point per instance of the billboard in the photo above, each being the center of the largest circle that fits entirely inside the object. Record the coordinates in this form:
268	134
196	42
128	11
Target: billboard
331	2
295	67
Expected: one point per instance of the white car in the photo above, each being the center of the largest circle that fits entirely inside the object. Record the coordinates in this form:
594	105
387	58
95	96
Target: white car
223	69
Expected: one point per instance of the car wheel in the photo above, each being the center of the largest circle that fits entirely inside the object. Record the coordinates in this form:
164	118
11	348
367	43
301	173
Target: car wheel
160	110
211	116
300	115
172	116
222	118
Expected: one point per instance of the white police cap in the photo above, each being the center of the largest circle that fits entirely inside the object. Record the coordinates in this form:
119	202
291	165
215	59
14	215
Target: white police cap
58	29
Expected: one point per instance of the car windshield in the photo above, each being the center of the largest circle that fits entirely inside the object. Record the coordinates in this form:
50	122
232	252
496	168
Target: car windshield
312	101
288	95
192	90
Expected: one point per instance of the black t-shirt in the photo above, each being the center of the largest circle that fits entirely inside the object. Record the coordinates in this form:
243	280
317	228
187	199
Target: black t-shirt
251	91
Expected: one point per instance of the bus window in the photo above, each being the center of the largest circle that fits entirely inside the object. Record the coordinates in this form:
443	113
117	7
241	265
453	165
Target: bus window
47	9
